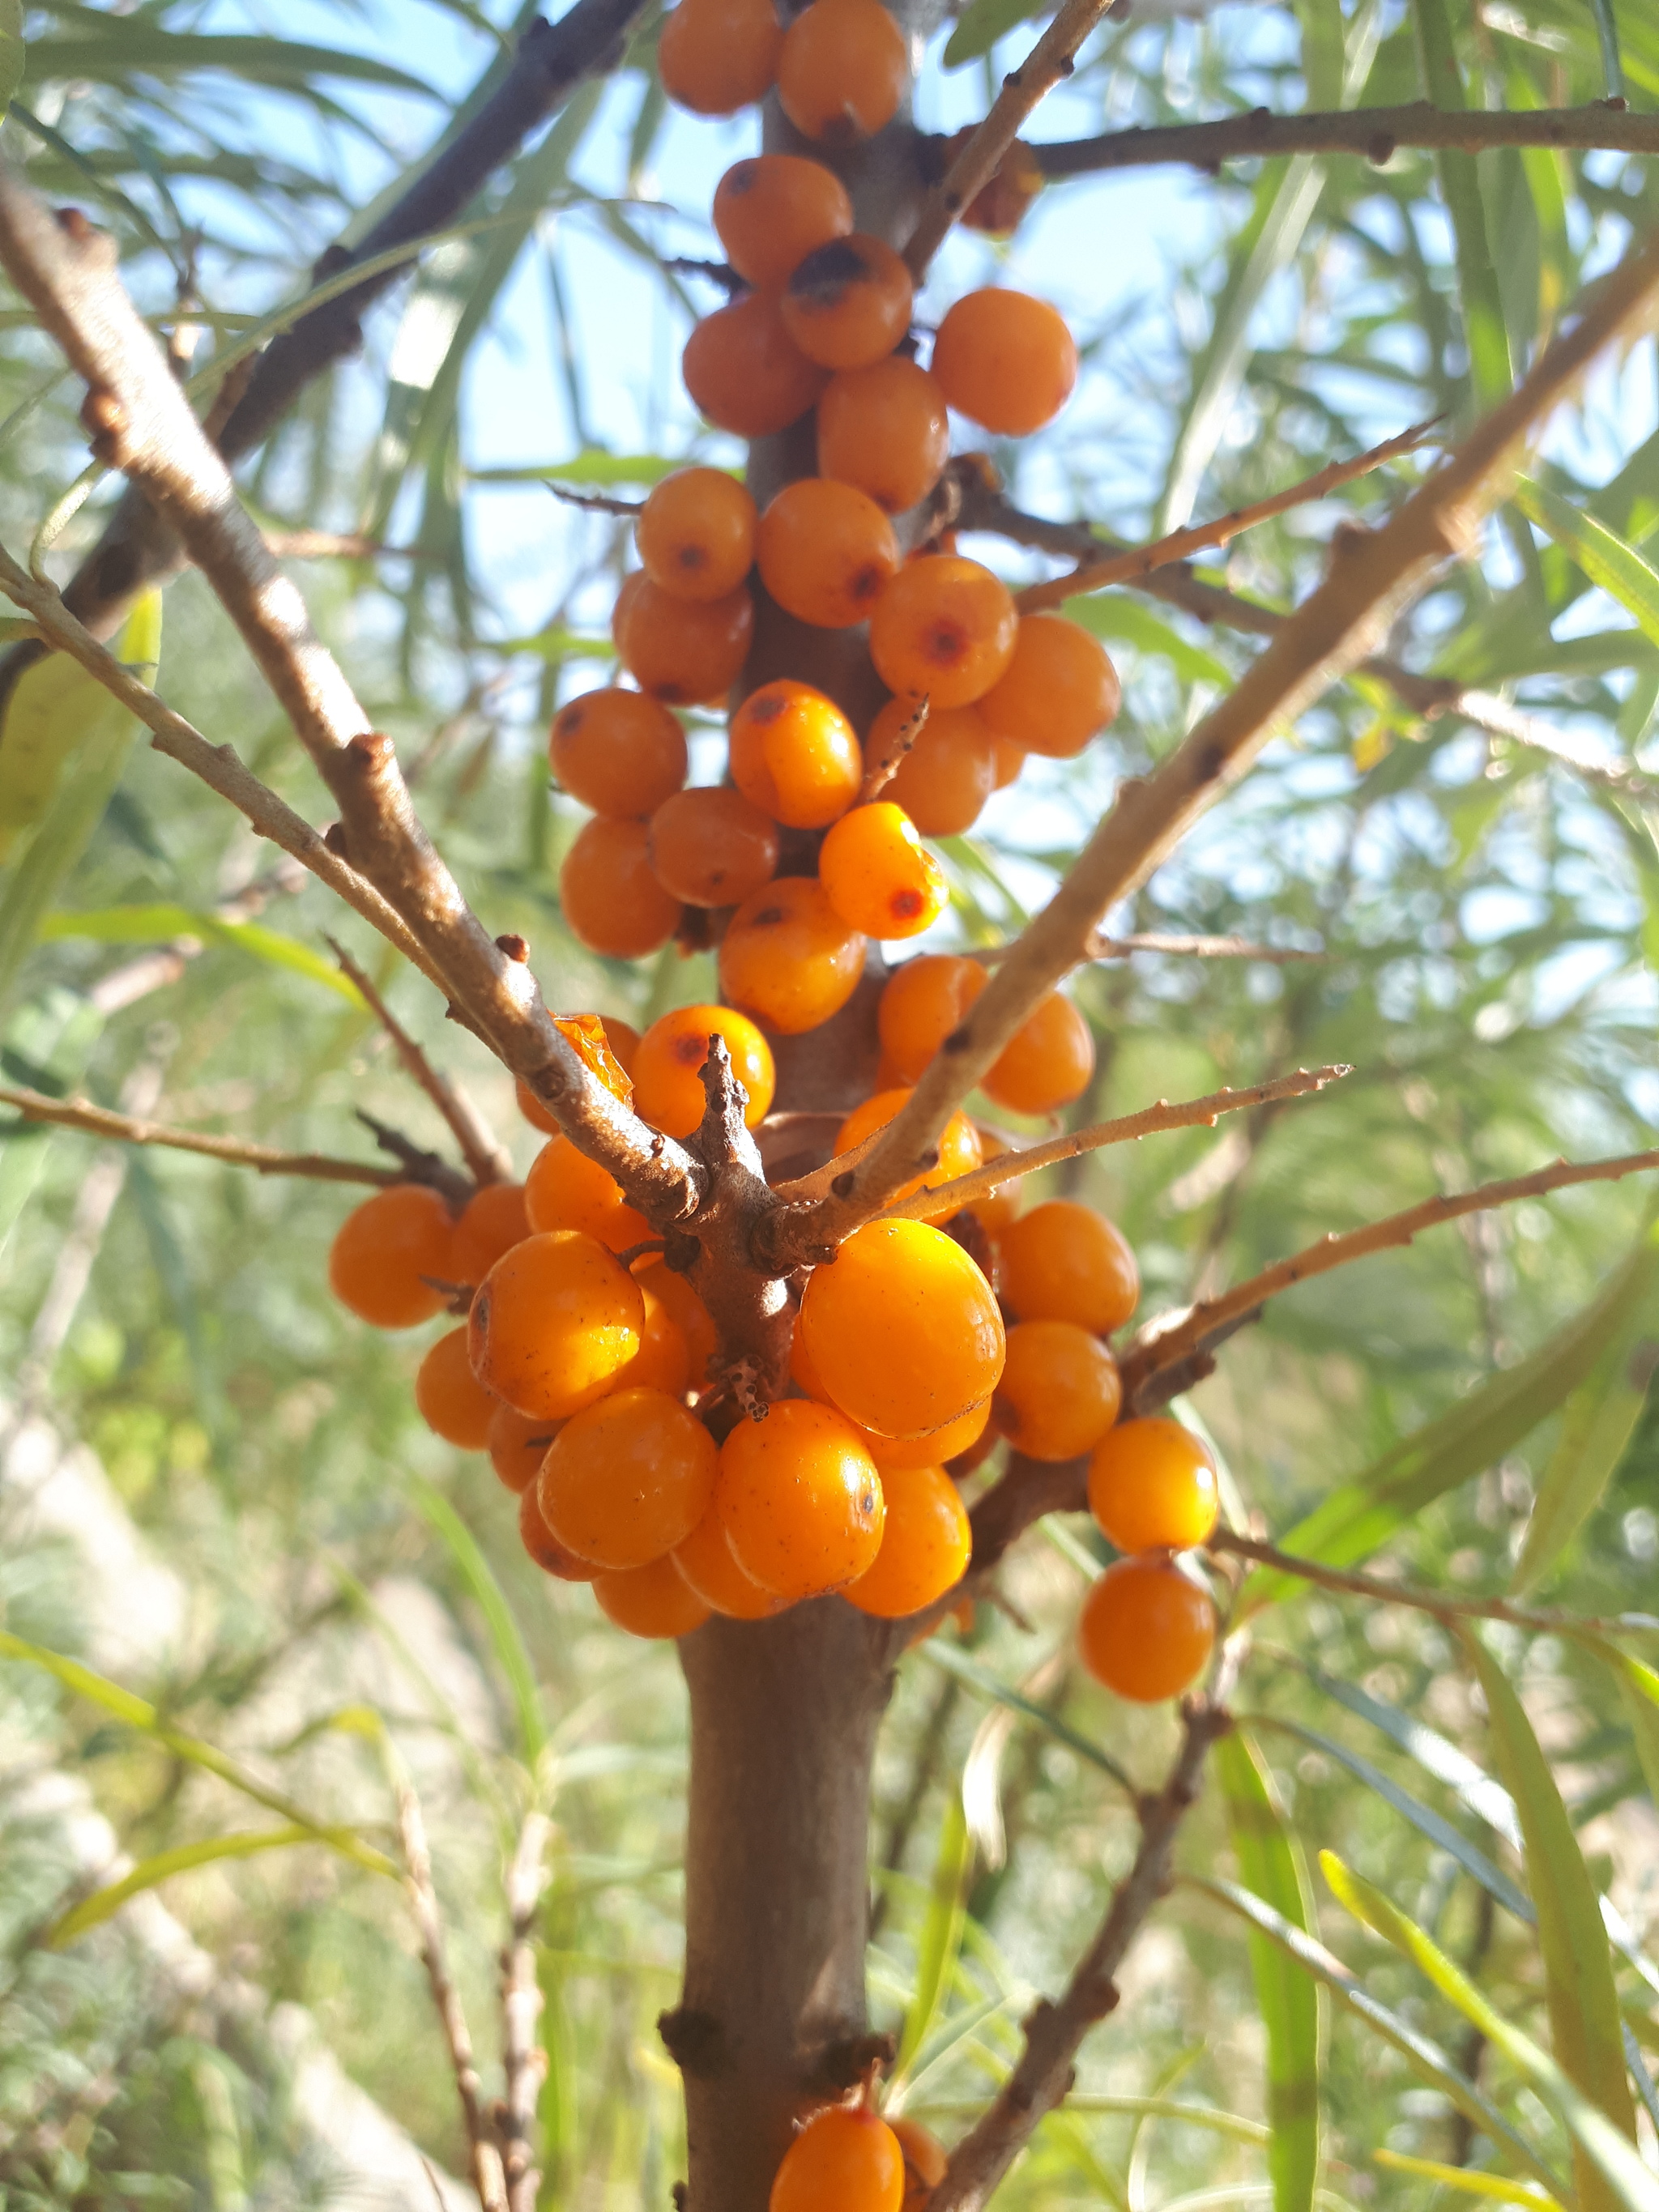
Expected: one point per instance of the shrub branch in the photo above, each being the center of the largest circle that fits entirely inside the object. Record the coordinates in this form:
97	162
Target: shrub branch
237	1151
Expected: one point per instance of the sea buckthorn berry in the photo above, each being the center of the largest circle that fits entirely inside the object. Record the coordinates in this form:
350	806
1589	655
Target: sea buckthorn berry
605	1047
958	1144
879	875
1145	1629
1005	361
1059	691
846	2159
950	771
788	958
921	1003
745	373
662	1362
618	752
843	71
493	1220
554	1322
849	303
805	1376
825	552
448	1396
717	56
998	206
1046	1064
944	630
774	209
925	2162
689	651
924	1546
669	1093
884	427
518	1444
696	534
1008	760
655	1599
794	755
708	1564
902	1328
628	1479
567	1190
1062	1262
1059	1390
1152	1486
611	900
687	1312
544	1547
711	847
800	1499
900	1455
387	1252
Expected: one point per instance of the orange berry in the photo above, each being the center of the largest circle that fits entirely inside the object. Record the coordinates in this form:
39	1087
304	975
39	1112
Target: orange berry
800	1499
879	875
565	1189
900	1455
846	2159
493	1220
1005	361
711	847
603	1044
958	1146
745	373
849	303
925	1546
902	1328
803	1373
618	752
554	1322
921	1004
1059	690
1152	1486
669	1093
1046	1064
449	1398
708	1564
655	1599
824	551
518	1444
1062	1262
662	1362
884	427
696	535
717	56
689	651
1007	760
1059	1390
544	1547
611	900
774	209
628	1479
943	629
925	2162
387	1252
685	1309
788	958
794	755
950	771
1145	1629
843	71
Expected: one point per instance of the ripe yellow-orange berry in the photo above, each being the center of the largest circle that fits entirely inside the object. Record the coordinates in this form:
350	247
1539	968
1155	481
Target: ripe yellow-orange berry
843	71
849	303
846	2159
611	900
899	1454
1005	361
687	1312
711	847
653	1601
774	209
689	651
925	2162
567	1190
1062	1262
879	875
517	1444
707	1563
1007	760
924	1546
800	1499
950	771
1145	1629
554	1322
544	1547
945	629
958	1144
618	752
668	1090
448	1396
745	373
1152	1486
1046	1064
794	755
1059	1390
663	1361
997	1209
696	534
628	1479
1059	690
902	1329
389	1251
825	552
788	958
922	1004
884	427
493	1220
717	56
606	1046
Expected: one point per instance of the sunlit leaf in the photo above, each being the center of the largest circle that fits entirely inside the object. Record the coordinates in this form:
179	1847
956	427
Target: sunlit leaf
1467	2180
1602	555
941	1937
11	48
505	1637
93	1911
160	924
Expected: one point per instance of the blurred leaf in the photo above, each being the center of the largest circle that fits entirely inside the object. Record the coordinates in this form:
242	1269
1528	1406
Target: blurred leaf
1602	555
1607	32
93	1911
956	1662
1638	1686
981	24
940	1939
591	467
505	1635
11	48
1115	615
1492	372
160	924
136	46
1467	2180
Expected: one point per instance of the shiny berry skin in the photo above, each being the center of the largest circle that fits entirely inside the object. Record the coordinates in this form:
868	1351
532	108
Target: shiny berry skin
788	958
663	1361
618	752
493	1220
843	71
825	552
745	373
1062	1262
925	2162
794	755
1059	691
717	56
900	1455
922	1004
774	209
711	847
950	771
943	629
925	1546
708	1566
565	1189
879	874
958	1144
656	1278
998	1210
553	1323
884	429
696	534
688	651
611	900
1046	1064
604	1044
544	1547
628	1479
653	1601
385	1251
1005	361
449	1398
1059	1390
846	2159
1152	1486
1009	760
800	1500
849	303
1145	1629
517	1444
668	1089
902	1329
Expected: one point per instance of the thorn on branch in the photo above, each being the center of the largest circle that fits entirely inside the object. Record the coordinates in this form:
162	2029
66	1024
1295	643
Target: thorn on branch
419	1166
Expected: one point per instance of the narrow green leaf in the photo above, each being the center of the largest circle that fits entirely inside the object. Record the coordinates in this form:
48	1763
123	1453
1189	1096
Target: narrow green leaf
93	1911
600	469
956	1662
1602	555
1607	36
940	1941
143	47
11	48
159	922
1638	1686
1468	2180
1492	372
1113	615
981	24
505	1635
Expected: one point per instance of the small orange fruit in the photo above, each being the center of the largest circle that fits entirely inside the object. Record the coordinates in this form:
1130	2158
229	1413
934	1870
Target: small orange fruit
618	752
879	875
899	1454
627	1479
1058	691
884	427
774	209
825	552
544	1547
800	1499
711	847
493	1221
794	755
518	1444
611	900
1046	1064
1005	361
553	1323
957	1147
849	303
449	1398
653	1601
689	651
943	629
697	536
657	1280
846	2159
663	1361
950	771
922	1004
925	2163
1152	1486
668	1092
708	1564
388	1253
717	56
745	373
843	71
925	1546
788	958
1146	1630
567	1190
1059	1390
1062	1262
902	1329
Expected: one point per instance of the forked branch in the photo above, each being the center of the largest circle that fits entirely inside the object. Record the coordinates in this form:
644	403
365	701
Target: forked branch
237	1151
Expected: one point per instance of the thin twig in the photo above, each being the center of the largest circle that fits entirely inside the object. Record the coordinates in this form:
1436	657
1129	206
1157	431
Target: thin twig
337	545
596	502
886	765
100	1121
1102	947
522	2054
